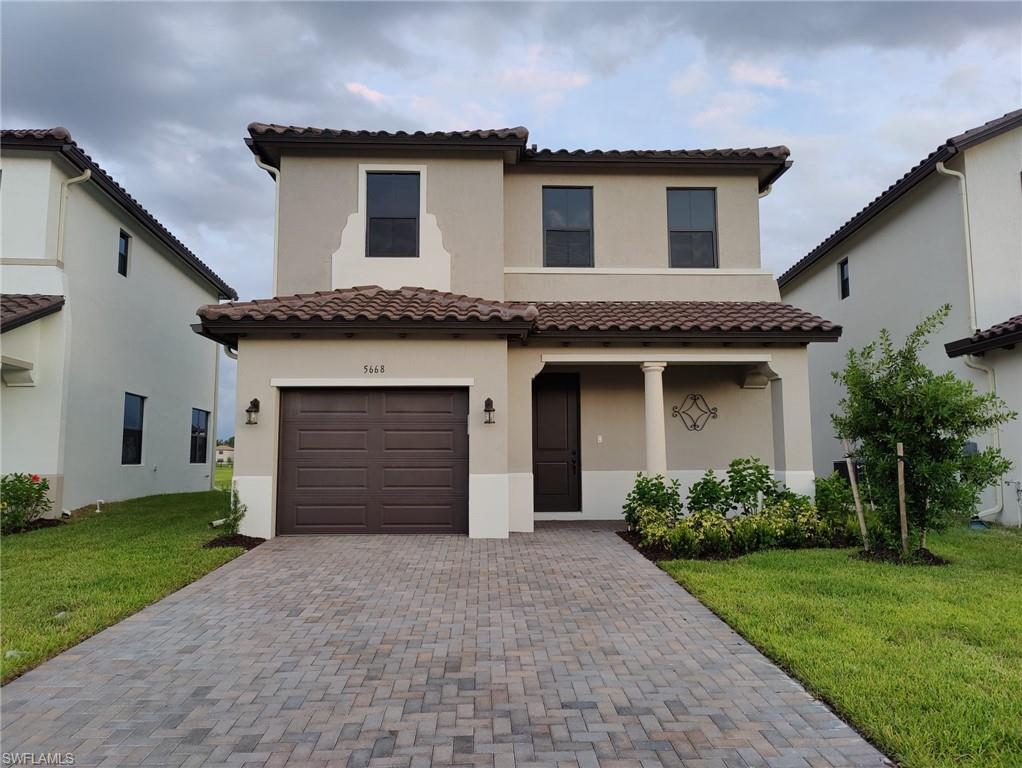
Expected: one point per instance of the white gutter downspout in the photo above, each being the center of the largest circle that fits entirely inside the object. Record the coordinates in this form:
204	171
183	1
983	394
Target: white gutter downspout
275	173
971	361
62	215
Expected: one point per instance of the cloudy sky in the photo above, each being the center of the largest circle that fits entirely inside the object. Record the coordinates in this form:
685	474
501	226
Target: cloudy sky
160	94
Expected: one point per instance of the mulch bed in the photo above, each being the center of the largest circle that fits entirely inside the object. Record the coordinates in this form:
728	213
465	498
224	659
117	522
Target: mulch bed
35	525
234	540
655	554
917	557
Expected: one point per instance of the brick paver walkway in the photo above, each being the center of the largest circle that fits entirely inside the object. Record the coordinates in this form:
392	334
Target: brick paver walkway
562	647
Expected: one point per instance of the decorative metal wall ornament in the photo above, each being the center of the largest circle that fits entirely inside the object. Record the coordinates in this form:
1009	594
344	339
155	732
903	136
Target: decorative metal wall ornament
694	412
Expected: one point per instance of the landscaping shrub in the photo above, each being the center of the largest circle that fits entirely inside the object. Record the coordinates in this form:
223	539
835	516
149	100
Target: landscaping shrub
713	531
834	499
749	533
682	540
748	480
23	499
654	526
235	512
892	397
709	493
652	491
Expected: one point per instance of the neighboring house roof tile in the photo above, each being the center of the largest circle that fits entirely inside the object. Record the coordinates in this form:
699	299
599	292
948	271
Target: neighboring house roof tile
1005	334
371	306
881	202
17	309
59	140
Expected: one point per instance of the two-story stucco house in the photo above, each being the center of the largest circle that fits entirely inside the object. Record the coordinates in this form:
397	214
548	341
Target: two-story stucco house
948	231
105	391
472	334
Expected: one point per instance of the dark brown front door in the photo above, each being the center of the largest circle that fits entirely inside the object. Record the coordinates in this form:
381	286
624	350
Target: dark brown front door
556	463
373	461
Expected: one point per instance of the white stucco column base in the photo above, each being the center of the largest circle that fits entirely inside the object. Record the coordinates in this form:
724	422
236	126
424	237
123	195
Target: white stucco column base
798	480
520	502
656	429
256	493
488	506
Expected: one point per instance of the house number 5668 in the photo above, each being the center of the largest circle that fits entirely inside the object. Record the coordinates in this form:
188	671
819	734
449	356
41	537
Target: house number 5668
373	368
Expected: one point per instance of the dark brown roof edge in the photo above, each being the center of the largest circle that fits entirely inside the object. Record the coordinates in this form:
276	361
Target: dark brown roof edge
59	140
52	305
1002	335
889	196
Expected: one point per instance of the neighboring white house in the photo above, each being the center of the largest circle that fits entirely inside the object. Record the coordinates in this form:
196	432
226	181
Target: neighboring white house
106	392
949	231
224	454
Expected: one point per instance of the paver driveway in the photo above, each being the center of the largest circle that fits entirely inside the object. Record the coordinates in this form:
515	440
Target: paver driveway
563	647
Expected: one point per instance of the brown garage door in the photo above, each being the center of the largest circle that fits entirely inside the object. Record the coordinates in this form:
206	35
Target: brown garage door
373	461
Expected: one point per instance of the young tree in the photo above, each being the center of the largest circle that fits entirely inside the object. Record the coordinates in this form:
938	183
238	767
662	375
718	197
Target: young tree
892	397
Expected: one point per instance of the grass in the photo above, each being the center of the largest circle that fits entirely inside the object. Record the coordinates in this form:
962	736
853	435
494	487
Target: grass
223	476
925	661
60	585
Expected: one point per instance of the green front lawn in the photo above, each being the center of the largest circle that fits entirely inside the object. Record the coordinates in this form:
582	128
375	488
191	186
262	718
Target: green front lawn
224	474
60	585
925	661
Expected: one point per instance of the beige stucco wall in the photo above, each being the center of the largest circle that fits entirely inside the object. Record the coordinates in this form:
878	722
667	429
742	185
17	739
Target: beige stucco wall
630	217
339	362
29	205
319	194
1007	365
656	285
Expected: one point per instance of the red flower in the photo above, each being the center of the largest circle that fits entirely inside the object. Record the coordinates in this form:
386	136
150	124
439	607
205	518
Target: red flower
35	478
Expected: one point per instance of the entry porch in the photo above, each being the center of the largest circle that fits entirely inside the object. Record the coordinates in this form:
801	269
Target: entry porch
584	422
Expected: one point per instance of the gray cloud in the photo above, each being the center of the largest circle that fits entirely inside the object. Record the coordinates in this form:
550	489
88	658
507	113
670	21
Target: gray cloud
161	93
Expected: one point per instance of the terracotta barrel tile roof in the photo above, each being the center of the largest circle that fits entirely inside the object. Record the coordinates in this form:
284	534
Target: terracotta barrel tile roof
372	303
268	129
1004	334
17	309
366	305
679	316
741	153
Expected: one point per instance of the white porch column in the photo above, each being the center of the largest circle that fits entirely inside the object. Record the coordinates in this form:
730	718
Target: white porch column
656	434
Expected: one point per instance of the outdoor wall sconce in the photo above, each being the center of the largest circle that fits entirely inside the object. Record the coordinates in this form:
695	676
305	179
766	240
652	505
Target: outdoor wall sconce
488	410
252	412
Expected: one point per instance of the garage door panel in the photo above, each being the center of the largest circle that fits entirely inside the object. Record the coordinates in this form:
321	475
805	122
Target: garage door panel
439	516
318	402
346	515
312	478
421	403
365	461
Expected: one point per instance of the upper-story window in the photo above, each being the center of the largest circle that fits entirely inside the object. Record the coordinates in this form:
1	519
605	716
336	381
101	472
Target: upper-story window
392	215
567	226
123	246
692	227
844	284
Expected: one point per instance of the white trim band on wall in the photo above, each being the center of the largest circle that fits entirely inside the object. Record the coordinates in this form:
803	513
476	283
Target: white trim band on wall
629	271
679	357
372	382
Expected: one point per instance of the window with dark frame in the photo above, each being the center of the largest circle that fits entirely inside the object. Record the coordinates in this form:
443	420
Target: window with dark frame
200	436
844	285
392	215
567	226
123	246
692	227
131	437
